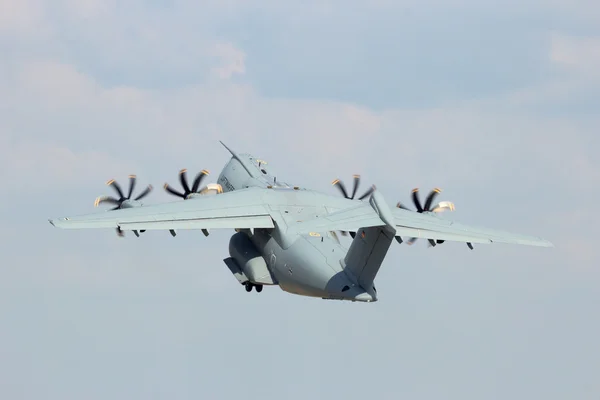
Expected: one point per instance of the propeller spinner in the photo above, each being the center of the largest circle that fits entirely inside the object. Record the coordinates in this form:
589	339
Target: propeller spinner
123	201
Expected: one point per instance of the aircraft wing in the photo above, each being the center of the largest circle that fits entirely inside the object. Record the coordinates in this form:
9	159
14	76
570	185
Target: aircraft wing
235	210
430	226
412	224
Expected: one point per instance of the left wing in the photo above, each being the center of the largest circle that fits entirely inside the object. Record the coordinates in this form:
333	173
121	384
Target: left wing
236	210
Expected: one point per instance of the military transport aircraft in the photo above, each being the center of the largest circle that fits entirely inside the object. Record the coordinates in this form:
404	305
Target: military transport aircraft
287	235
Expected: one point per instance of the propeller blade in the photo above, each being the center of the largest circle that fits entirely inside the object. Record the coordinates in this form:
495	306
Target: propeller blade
132	180
173	191
367	193
116	186
416	201
402	206
341	187
198	179
144	193
183	180
430	199
356	183
106	199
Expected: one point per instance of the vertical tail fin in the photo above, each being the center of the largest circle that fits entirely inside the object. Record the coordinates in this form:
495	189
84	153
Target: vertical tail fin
370	246
366	253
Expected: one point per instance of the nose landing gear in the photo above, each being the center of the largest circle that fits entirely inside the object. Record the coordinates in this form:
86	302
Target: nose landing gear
250	285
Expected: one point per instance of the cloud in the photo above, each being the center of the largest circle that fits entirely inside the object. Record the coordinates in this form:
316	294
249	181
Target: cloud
577	54
232	60
31	166
149	88
20	17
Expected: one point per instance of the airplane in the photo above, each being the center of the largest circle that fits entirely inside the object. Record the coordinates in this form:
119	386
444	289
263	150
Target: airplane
286	235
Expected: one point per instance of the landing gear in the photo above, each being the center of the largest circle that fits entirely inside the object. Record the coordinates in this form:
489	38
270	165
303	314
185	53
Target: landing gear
250	285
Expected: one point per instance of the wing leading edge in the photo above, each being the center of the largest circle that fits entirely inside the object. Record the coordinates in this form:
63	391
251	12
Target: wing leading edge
235	210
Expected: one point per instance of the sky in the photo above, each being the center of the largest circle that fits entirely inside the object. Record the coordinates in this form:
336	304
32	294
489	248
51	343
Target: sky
494	103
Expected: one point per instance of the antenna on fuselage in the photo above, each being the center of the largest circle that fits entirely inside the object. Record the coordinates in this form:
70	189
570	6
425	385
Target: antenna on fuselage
238	158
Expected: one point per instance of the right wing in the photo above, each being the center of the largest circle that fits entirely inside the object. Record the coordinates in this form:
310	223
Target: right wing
430	226
235	210
412	224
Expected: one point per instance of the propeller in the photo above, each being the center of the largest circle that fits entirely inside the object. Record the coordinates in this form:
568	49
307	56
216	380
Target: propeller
427	207
123	201
184	183
342	188
340	185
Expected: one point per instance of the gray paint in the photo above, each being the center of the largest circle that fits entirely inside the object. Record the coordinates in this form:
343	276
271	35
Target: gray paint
285	234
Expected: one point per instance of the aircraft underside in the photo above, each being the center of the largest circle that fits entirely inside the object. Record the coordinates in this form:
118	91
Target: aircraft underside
313	265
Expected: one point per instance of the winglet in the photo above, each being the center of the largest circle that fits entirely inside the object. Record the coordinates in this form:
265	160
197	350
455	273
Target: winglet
51	222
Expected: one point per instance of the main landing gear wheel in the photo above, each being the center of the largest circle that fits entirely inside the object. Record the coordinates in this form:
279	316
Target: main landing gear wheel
250	285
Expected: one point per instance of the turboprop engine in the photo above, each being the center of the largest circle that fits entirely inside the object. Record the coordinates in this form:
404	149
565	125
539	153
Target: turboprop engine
246	262
123	201
195	190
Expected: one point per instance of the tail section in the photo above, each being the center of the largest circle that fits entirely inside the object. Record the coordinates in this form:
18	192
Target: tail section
370	246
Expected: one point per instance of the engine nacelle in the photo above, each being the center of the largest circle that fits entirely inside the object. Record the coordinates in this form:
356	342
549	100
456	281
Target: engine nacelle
210	189
249	259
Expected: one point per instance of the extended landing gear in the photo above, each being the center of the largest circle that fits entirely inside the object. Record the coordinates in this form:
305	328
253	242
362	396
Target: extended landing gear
250	285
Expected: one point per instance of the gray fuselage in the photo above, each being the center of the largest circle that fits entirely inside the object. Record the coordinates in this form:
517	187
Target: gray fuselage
308	265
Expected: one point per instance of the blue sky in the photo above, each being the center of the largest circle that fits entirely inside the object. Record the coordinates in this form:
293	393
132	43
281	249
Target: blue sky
497	105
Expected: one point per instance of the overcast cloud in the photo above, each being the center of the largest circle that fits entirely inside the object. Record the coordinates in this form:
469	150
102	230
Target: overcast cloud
496	104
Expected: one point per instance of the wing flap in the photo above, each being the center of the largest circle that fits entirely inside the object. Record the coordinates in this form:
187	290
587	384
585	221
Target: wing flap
245	222
426	234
